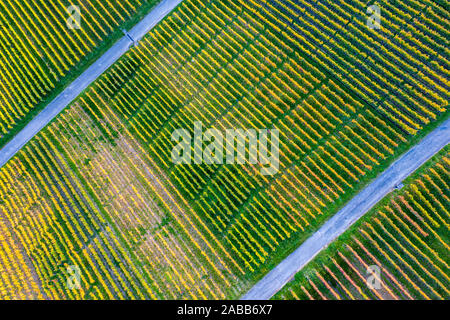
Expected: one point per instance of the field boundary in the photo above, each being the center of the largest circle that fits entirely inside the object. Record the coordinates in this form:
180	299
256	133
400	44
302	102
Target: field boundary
159	12
404	166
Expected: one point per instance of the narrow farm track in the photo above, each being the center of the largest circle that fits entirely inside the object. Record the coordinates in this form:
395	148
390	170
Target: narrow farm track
355	209
85	79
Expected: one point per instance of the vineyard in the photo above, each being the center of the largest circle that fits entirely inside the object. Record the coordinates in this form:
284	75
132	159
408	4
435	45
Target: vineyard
38	52
406	236
97	188
79	200
231	66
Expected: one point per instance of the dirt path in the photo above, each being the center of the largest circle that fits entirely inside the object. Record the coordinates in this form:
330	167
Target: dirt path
355	209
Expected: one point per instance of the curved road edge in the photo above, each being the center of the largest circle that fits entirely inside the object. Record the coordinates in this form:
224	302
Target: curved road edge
85	79
351	212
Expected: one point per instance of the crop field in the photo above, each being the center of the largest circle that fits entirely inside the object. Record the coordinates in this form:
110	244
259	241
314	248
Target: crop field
336	129
97	188
38	52
80	200
406	235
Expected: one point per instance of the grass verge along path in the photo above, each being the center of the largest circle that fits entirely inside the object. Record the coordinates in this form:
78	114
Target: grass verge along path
85	79
355	209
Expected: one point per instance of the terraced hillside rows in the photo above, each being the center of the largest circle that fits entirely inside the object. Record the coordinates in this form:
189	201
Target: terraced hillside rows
84	193
98	189
406	237
343	111
39	53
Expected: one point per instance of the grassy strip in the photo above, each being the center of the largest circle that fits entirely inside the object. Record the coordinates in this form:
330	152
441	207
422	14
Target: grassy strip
76	71
290	245
323	257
